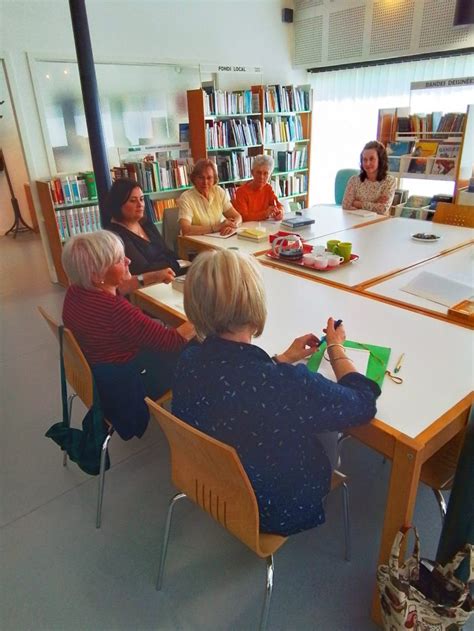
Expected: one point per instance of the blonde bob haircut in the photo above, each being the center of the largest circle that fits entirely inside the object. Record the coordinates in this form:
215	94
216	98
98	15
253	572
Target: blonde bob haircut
201	166
223	293
86	257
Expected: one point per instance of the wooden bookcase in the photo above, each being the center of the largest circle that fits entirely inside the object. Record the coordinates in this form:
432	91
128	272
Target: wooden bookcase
199	118
49	211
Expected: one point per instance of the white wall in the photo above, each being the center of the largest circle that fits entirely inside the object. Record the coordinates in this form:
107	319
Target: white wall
246	32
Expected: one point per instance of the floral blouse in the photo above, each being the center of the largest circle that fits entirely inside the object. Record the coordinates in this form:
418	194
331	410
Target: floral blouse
368	192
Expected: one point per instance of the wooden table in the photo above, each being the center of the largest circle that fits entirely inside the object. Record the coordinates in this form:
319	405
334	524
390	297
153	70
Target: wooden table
414	419
385	248
458	264
328	219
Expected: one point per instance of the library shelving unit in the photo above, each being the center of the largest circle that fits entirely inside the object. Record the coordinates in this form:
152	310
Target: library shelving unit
287	127
57	220
271	119
427	146
227	127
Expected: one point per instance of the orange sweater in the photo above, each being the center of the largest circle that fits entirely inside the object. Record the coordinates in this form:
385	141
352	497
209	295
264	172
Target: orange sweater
253	205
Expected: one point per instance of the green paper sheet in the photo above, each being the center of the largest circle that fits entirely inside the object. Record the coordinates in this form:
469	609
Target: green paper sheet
377	365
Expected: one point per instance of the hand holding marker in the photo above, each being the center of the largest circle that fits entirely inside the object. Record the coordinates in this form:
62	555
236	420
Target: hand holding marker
336	324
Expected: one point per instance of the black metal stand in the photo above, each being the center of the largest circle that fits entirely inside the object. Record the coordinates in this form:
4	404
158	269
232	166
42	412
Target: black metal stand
19	224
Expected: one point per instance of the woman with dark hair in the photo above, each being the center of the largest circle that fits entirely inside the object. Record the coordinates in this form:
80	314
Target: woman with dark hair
372	189
151	261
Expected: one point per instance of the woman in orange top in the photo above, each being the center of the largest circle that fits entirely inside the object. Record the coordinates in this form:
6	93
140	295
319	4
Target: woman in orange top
255	200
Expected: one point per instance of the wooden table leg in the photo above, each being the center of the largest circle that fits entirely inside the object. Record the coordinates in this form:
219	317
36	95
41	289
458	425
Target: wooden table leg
406	467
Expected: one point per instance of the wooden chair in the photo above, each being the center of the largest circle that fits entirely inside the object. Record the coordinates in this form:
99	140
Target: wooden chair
439	470
454	214
79	377
209	473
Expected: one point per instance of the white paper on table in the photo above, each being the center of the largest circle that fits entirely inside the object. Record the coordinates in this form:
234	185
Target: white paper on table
218	235
440	289
359	356
362	212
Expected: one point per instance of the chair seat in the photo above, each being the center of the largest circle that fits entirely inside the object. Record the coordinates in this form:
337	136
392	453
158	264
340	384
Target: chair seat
438	471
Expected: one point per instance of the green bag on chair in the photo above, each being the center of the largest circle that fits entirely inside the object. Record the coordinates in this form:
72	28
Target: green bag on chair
83	446
424	596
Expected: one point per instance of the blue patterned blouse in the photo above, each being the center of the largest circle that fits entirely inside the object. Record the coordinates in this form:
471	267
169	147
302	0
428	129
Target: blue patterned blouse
270	413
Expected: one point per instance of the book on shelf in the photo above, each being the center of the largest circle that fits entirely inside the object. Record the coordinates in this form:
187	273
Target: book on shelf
235	165
73	189
287	98
281	129
155	208
400	196
183	132
224	103
446	159
234	132
156	175
424	149
288	185
290	160
395	150
72	221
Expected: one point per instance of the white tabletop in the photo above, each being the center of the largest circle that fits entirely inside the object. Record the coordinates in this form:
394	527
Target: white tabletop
328	219
457	265
438	364
384	248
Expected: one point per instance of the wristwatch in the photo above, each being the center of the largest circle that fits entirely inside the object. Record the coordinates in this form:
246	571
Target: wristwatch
141	280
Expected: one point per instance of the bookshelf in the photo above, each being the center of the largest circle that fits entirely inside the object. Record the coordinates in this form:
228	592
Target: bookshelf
63	220
429	146
233	127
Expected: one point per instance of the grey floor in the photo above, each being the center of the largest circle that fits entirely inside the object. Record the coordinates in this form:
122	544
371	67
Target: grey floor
59	572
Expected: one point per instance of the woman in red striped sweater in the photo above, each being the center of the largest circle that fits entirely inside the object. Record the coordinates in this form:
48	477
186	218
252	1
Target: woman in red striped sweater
130	354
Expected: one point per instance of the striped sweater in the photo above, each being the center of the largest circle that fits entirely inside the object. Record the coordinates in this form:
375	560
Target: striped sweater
110	330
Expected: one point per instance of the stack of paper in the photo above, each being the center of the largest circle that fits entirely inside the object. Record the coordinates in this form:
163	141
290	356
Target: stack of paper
440	289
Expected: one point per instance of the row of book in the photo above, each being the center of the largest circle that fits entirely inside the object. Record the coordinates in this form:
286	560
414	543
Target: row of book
74	221
431	124
290	160
73	189
283	129
235	165
233	133
290	185
156	207
157	175
286	98
424	156
221	102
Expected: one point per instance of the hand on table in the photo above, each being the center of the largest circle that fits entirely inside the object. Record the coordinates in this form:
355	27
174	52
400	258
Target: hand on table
164	275
275	212
301	348
357	205
228	226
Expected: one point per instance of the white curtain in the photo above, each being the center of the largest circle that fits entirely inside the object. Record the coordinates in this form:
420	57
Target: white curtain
345	114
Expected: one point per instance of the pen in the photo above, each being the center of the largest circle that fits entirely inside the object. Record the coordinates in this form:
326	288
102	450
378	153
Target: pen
336	324
399	364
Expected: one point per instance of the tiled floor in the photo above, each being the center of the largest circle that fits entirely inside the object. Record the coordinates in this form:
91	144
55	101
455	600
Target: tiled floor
59	572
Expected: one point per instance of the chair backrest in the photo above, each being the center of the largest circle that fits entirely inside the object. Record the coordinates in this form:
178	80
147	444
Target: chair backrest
340	183
210	473
171	228
78	372
454	214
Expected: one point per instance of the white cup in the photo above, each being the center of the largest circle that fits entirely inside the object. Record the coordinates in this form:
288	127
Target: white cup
308	259
334	260
320	262
319	250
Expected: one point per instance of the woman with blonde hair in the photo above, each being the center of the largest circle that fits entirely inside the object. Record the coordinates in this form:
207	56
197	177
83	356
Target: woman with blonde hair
206	207
130	354
271	411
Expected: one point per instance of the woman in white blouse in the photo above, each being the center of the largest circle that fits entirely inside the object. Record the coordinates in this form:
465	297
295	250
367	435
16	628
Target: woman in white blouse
372	189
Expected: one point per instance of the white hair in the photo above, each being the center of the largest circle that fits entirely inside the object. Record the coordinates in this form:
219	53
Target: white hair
263	160
86	257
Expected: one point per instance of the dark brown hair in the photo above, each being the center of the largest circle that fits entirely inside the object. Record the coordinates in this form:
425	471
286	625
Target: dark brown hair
383	160
119	194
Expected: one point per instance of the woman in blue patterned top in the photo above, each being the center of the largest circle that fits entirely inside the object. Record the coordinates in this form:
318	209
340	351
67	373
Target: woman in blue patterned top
268	409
